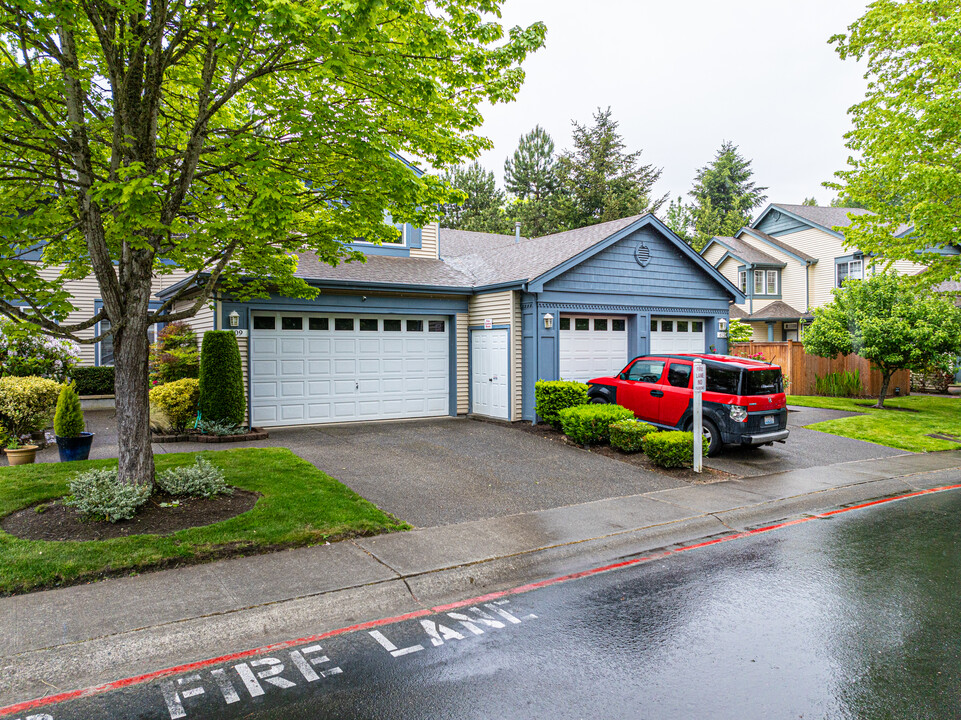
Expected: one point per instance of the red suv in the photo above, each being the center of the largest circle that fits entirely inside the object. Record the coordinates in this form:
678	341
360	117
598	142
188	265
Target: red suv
743	404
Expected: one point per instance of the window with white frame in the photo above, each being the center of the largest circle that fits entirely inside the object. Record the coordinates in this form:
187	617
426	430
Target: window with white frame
767	282
742	280
772	288
848	270
759	282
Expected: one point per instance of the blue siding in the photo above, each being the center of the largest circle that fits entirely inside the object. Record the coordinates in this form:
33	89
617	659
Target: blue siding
614	271
781	226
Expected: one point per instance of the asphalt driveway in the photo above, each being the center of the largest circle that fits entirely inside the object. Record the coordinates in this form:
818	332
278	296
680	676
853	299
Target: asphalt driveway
803	449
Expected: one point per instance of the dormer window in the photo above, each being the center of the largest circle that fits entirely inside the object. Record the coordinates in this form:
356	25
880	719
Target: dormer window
742	280
766	282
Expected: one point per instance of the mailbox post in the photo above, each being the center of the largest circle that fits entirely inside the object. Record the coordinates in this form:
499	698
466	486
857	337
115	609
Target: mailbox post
700	382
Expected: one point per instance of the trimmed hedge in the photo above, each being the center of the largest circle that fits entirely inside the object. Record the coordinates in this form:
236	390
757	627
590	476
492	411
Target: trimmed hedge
628	435
94	380
552	396
222	397
671	449
591	424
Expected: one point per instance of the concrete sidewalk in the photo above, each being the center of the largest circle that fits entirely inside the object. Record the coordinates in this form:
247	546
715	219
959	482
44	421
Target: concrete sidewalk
79	636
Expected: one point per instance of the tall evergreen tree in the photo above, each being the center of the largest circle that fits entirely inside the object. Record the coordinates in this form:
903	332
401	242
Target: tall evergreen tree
599	180
724	195
812	201
530	173
678	218
482	208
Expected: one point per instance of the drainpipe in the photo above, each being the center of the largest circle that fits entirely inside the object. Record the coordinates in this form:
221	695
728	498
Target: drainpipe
517	231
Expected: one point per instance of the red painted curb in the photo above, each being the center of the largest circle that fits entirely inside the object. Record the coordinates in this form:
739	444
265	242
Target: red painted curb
180	669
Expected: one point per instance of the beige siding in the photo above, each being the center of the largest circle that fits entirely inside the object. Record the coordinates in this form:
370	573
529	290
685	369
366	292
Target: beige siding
728	269
498	306
242	346
86	292
463	365
203	320
825	248
714	253
760	331
428	242
516	355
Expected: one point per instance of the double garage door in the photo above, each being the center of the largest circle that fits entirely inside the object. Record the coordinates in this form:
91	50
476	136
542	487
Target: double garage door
596	345
311	368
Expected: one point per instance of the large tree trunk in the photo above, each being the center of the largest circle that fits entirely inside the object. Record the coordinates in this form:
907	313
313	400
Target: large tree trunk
885	381
131	356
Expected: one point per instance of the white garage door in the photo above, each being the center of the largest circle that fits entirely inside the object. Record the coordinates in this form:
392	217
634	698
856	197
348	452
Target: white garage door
312	368
592	346
677	335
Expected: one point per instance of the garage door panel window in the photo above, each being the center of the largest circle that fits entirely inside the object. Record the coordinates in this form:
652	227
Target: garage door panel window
265	322
292	323
667	326
682	325
344	324
600	325
582	324
415	326
618	325
697	326
392	325
368	325
318	323
435	326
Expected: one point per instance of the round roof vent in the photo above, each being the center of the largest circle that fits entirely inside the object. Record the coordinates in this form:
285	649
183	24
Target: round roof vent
642	253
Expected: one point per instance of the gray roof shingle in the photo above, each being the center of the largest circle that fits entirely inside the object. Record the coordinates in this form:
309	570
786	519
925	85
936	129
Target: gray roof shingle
384	269
778	310
830	217
454	243
748	253
497	263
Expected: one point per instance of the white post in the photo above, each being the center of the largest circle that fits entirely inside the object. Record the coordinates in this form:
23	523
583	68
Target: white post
699	384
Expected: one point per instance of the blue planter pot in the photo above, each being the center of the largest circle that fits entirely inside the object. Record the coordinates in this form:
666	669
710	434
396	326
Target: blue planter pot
74	448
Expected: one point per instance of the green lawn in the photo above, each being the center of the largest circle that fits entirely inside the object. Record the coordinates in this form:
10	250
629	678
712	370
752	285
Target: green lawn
300	506
903	430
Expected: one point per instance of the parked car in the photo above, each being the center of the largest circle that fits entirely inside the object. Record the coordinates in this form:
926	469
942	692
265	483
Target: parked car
743	404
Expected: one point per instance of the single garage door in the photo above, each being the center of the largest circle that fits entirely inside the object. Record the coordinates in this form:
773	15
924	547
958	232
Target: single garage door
592	346
677	335
311	368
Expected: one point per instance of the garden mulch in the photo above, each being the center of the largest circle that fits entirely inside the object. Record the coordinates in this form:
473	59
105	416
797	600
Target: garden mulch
708	476
53	520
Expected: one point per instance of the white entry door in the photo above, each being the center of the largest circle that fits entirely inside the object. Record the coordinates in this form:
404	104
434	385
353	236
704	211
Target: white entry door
592	346
316	368
489	371
677	335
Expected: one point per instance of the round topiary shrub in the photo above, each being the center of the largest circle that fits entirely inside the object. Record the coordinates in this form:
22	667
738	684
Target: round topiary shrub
671	449
628	435
552	396
591	424
222	397
176	402
27	404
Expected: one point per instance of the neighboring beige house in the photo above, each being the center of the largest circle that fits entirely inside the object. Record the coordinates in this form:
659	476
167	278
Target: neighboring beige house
787	263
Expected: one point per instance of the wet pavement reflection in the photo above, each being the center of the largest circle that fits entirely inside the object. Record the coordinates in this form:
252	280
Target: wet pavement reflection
856	616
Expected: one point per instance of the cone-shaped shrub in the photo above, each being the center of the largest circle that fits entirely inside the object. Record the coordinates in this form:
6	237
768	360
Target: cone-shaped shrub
222	397
68	421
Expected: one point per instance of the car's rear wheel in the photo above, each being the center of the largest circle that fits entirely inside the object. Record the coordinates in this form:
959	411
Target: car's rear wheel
711	437
599	400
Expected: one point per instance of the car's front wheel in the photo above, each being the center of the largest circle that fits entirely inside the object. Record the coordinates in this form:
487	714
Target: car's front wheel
711	437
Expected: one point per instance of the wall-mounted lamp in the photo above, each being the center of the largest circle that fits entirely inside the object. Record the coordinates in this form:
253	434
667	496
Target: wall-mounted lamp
234	318
722	325
548	321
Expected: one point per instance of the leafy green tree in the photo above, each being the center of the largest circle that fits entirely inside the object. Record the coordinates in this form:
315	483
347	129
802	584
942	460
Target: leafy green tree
739	331
811	201
679	219
599	180
905	142
889	321
480	204
846	201
724	195
222	137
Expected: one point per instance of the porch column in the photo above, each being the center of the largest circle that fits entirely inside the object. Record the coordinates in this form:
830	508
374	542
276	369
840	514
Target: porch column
770	331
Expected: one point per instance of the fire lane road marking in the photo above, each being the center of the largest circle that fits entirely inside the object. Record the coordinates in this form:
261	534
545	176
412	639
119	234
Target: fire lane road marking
229	691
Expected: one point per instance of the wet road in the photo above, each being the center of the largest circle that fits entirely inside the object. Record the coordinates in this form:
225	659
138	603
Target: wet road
852	616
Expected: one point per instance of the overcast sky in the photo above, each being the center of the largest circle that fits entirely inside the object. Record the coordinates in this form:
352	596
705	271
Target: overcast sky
683	75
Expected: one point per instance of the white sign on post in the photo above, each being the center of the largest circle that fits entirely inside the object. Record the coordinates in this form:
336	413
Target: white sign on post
488	323
700	383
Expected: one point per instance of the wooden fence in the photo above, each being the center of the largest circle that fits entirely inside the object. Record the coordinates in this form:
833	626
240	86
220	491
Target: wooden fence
802	368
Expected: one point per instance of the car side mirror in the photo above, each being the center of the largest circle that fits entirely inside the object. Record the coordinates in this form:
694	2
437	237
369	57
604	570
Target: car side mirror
622	376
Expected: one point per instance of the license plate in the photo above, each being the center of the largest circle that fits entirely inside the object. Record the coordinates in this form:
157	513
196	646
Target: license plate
769	420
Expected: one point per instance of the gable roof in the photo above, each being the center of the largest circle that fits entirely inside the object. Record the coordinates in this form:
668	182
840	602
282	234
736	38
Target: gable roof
771	240
749	254
823	217
384	270
778	310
